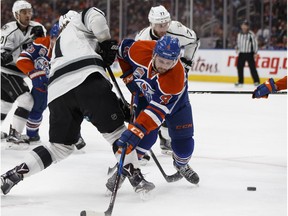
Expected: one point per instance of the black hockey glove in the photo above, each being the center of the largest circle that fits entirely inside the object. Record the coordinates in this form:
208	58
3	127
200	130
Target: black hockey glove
108	51
37	31
6	58
126	110
187	64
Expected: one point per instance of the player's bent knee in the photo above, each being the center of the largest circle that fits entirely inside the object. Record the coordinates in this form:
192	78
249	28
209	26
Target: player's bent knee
59	151
26	101
5	107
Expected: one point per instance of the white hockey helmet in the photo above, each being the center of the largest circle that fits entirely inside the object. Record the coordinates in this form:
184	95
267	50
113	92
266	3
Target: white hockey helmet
66	18
158	15
20	5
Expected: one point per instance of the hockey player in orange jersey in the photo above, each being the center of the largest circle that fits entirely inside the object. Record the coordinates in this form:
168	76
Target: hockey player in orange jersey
153	70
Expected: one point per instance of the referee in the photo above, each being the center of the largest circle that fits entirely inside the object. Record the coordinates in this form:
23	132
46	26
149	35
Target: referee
247	48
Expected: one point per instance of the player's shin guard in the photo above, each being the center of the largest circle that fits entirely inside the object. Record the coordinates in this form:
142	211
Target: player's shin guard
182	153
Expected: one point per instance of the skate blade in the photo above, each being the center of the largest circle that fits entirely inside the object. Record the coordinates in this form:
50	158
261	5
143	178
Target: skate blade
19	146
143	162
166	152
145	195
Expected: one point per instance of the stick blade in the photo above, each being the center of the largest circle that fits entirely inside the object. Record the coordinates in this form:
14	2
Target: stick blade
91	213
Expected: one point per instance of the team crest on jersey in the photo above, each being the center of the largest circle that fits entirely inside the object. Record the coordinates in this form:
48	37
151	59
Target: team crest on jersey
30	48
139	72
42	63
42	52
145	88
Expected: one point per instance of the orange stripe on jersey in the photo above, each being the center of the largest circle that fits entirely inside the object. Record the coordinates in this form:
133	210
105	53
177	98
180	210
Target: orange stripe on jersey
125	66
146	121
25	65
45	41
282	83
141	52
173	81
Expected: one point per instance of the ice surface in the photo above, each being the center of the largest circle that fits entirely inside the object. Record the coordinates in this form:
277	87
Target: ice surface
239	142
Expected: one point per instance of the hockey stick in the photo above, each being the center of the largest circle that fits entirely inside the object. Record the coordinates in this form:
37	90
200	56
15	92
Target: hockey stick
23	42
116	85
169	178
108	212
229	92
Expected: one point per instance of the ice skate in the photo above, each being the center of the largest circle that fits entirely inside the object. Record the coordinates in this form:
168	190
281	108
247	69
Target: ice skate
187	172
80	143
111	181
165	145
135	177
137	180
12	177
15	137
3	135
34	139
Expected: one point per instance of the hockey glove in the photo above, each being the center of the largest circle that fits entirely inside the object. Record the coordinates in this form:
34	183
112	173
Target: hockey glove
108	51
131	137
39	80
187	64
128	79
37	31
6	58
265	89
125	107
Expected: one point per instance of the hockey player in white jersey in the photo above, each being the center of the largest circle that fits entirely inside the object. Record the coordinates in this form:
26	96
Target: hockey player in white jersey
160	25
13	86
78	86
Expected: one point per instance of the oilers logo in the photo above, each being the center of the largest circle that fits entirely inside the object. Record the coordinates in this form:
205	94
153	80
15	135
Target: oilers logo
139	72
145	88
42	63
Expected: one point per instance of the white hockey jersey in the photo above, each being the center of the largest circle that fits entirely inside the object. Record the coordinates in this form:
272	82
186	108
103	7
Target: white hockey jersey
187	38
74	57
12	36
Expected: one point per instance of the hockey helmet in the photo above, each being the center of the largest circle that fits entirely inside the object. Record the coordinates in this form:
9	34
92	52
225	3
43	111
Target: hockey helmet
66	18
20	5
167	47
158	15
54	32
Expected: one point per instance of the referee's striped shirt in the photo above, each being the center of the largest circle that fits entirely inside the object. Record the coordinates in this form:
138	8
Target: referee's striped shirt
247	42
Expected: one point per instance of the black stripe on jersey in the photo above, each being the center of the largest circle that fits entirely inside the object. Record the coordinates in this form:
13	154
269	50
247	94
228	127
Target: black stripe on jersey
75	66
179	35
12	67
83	15
87	9
58	52
99	11
153	37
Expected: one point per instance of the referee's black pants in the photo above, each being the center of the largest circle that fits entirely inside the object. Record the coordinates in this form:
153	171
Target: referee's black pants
242	58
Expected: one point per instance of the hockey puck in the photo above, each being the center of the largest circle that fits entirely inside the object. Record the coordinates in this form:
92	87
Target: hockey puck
251	188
